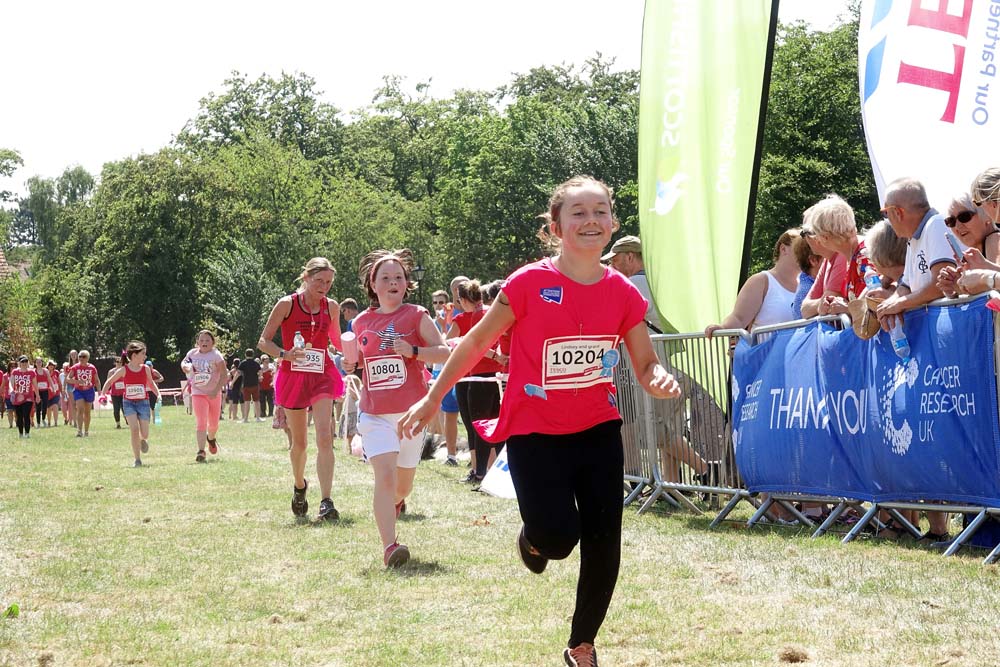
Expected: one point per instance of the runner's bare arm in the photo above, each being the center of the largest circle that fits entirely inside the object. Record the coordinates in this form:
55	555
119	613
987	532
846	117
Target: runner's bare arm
652	377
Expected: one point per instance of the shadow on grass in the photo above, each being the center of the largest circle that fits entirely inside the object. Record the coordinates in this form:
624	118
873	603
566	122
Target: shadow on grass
415	567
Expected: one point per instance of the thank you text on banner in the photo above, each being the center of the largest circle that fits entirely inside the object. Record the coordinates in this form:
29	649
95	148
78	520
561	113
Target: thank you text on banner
821	411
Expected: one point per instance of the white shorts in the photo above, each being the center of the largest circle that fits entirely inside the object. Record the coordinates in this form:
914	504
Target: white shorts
378	436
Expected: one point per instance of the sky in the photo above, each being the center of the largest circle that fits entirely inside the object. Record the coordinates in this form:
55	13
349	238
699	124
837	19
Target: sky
93	82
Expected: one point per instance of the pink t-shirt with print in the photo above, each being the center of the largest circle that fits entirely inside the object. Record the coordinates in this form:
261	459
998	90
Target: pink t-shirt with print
563	350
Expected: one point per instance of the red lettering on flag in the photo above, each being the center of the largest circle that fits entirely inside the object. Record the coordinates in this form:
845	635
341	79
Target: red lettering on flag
949	82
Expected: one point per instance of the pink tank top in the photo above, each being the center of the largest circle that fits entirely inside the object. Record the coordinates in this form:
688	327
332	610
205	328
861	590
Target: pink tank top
314	327
393	382
135	384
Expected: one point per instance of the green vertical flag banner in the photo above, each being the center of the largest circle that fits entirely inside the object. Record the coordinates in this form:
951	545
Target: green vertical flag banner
703	69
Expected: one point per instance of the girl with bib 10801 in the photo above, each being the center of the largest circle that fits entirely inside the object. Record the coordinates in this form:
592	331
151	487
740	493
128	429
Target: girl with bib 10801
566	314
395	342
309	322
138	380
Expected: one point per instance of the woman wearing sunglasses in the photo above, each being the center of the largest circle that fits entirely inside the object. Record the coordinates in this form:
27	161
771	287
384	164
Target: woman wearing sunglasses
973	219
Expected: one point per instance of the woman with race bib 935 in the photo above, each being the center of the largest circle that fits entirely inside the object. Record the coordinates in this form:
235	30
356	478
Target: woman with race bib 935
559	416
308	378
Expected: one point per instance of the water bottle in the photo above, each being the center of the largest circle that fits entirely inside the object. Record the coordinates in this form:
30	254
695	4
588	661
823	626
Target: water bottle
872	281
299	341
900	345
156	411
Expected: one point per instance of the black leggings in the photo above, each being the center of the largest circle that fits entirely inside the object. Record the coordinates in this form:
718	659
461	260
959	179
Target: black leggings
569	490
42	407
116	401
23	415
266	402
478	400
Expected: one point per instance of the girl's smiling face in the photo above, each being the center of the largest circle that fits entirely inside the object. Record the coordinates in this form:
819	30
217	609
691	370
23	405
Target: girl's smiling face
585	219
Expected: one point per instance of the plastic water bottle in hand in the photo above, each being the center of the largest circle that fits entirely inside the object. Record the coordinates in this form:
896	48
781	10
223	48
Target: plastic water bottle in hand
299	341
900	344
872	281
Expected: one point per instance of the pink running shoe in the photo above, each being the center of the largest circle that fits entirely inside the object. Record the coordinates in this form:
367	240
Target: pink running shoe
584	655
395	555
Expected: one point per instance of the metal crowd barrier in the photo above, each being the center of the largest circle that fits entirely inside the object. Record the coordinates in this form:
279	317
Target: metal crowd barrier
674	449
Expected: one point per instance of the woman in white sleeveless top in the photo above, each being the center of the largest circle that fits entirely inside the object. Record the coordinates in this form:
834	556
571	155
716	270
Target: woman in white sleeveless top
766	297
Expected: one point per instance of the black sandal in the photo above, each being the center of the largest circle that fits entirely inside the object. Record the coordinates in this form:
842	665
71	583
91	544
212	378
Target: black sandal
201	456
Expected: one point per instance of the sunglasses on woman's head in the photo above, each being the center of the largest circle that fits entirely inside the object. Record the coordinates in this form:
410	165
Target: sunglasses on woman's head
962	217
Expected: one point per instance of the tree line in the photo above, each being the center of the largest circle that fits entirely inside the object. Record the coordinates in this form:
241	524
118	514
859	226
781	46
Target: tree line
210	230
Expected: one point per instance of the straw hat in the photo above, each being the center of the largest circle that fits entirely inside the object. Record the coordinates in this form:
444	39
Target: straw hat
863	319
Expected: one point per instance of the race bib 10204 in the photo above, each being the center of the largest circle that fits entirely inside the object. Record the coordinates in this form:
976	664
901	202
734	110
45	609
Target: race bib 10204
575	362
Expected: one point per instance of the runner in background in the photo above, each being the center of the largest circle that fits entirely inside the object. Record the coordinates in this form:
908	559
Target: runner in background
83	376
266	386
138	380
67	396
206	369
395	340
4	391
23	394
559	416
307	377
446	422
117	390
55	393
42	405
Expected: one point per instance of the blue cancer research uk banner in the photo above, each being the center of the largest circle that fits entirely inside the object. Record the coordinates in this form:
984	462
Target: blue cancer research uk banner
820	411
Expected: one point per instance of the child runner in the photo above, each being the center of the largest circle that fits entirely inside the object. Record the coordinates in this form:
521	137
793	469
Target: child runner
83	376
117	390
395	340
206	368
138	379
559	416
55	393
3	394
307	377
23	394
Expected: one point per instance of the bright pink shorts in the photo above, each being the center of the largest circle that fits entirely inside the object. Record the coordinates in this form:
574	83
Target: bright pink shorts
295	391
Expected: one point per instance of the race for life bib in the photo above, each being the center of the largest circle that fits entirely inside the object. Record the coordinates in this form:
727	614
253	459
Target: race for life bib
575	362
135	392
200	379
42	386
312	362
120	385
385	372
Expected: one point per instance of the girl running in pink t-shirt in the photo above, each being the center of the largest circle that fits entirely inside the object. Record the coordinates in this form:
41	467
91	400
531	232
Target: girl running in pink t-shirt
395	342
205	368
567	315
308	377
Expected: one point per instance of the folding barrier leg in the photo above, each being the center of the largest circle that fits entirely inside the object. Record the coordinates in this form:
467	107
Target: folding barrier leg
992	558
803	519
761	511
733	502
960	539
910	528
635	493
860	525
660	492
684	501
830	520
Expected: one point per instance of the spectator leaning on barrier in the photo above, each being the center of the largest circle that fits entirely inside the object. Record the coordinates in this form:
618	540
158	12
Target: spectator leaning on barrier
980	236
887	253
927	250
626	258
832	222
766	297
809	263
979	274
830	278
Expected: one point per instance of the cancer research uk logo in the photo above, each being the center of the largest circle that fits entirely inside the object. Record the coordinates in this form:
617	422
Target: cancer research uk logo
900	375
667	194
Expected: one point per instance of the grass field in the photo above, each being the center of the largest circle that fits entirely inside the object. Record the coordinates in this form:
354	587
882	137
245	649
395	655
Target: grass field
178	563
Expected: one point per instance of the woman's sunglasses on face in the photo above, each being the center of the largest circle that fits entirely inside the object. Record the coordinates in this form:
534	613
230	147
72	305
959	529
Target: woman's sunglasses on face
962	217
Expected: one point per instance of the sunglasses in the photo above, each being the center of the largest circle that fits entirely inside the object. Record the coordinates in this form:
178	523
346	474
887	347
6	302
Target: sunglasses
806	233
962	217
884	212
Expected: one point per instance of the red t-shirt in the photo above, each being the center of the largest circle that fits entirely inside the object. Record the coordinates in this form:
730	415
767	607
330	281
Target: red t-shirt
266	376
3	384
85	375
21	387
393	382
53	383
465	322
563	346
830	277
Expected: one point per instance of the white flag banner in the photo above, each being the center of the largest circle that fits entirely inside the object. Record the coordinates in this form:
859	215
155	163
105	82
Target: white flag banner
930	95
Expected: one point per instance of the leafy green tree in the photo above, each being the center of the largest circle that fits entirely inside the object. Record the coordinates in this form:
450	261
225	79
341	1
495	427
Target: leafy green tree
19	314
10	160
814	140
